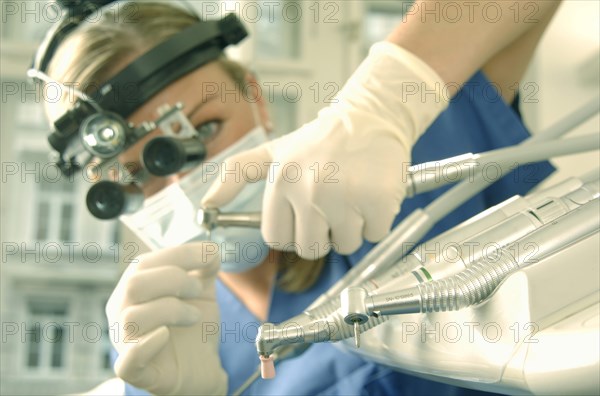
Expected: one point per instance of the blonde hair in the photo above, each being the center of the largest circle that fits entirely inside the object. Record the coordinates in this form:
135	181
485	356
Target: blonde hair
298	274
89	55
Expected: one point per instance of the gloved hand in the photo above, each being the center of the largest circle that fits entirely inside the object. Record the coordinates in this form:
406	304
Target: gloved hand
341	177
167	316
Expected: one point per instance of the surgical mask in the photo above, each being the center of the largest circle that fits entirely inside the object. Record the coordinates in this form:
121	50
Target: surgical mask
168	218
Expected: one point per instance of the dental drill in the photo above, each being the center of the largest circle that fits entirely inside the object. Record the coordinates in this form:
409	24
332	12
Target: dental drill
479	280
576	213
211	218
429	176
415	226
321	322
418	223
500	225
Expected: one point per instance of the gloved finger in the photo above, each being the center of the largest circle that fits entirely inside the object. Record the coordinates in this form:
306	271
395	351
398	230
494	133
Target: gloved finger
154	283
141	319
277	222
346	237
311	232
238	170
132	364
203	256
378	219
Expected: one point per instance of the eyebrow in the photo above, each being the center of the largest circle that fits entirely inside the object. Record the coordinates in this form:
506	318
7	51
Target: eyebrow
202	103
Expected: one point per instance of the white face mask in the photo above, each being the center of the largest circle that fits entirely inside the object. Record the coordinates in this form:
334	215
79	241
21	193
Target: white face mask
168	218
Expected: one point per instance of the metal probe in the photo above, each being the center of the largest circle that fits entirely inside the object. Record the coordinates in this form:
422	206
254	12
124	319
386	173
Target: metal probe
211	218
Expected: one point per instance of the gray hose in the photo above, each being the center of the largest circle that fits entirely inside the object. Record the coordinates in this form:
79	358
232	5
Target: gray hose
479	280
468	287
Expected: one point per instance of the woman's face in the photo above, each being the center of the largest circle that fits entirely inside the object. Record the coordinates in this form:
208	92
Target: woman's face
211	100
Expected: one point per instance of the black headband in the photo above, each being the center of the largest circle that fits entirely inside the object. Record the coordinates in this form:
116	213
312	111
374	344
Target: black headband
187	50
75	11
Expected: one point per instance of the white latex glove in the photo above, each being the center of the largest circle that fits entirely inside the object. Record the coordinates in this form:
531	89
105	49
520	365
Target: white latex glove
341	177
167	316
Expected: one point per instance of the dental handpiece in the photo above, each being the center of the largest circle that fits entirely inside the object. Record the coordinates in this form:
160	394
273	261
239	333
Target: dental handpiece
326	322
421	178
497	226
469	287
447	255
211	218
477	282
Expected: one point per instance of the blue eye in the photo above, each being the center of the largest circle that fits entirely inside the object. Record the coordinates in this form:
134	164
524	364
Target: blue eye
209	130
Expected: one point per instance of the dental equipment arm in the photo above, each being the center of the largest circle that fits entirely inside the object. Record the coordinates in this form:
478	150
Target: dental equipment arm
322	322
479	280
326	323
537	333
418	223
449	253
531	290
432	175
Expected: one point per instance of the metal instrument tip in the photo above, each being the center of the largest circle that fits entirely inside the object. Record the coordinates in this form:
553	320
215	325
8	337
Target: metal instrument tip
357	334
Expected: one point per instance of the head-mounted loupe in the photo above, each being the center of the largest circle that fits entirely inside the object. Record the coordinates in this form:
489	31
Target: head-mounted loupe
107	200
96	127
104	134
180	149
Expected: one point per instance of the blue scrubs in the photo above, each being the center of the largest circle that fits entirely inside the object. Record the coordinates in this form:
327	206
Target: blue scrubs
477	120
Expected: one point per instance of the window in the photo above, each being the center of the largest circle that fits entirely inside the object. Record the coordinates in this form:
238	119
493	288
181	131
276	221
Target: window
106	348
284	114
382	17
277	28
43	216
33	346
45	335
106	362
66	221
53	204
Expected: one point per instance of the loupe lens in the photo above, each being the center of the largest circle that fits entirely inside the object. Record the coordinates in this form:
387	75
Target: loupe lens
107	200
104	134
165	156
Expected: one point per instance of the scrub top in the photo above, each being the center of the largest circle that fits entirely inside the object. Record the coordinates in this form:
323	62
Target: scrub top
476	120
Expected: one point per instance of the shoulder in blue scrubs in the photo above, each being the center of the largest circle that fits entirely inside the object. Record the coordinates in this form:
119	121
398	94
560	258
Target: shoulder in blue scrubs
476	120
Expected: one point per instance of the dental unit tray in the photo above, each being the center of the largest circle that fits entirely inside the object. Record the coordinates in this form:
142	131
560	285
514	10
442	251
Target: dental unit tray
564	219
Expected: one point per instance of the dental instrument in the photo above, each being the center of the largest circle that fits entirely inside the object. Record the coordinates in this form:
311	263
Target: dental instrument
417	224
325	322
479	280
423	220
428	176
210	218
